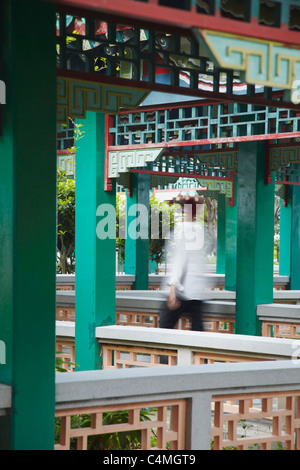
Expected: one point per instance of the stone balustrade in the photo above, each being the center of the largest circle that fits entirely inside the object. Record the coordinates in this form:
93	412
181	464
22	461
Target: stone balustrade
157	281
142	308
282	318
251	403
132	346
278	320
189	405
138	346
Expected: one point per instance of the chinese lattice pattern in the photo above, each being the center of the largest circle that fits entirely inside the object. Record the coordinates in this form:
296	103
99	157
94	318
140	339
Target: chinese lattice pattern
196	123
151	320
238	426
280	329
167	425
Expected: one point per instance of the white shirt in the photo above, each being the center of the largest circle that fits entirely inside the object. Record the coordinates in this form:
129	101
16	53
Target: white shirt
188	271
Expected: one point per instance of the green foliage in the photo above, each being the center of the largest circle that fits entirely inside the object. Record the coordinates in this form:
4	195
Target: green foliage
127	440
65	222
120	214
166	214
59	363
156	245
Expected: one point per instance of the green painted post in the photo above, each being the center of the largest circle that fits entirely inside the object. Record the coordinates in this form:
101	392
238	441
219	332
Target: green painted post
295	240
221	228
28	221
137	231
285	236
231	245
95	243
255	238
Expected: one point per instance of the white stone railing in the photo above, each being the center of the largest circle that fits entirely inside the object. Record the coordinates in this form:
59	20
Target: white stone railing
157	281
189	405
281	321
138	346
142	308
67	281
123	347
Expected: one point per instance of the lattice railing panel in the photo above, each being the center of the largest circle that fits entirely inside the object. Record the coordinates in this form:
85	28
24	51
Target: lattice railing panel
211	358
193	124
123	357
83	428
277	329
237	428
211	324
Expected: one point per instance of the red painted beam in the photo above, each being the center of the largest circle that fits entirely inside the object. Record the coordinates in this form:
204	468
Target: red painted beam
187	19
295	183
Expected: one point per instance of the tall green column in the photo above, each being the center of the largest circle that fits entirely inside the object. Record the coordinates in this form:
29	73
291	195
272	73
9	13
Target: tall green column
285	235
221	229
295	240
255	238
137	233
95	243
231	242
28	221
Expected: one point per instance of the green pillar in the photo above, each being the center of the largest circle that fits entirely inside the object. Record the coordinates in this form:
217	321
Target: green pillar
231	244
255	238
137	233
221	228
285	236
95	269
28	221
295	239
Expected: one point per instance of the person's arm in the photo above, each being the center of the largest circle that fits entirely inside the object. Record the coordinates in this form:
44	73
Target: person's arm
172	302
178	264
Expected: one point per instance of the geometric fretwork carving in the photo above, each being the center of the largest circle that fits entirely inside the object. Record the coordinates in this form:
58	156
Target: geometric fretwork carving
224	186
261	62
279	411
168	419
120	161
76	96
281	157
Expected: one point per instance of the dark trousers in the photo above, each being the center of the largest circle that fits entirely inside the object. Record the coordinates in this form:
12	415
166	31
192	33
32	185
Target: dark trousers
190	308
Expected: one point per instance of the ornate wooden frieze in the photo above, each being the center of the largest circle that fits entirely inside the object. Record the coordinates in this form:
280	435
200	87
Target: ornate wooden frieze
281	157
200	124
120	161
161	181
76	96
267	63
226	159
223	186
248	16
164	59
